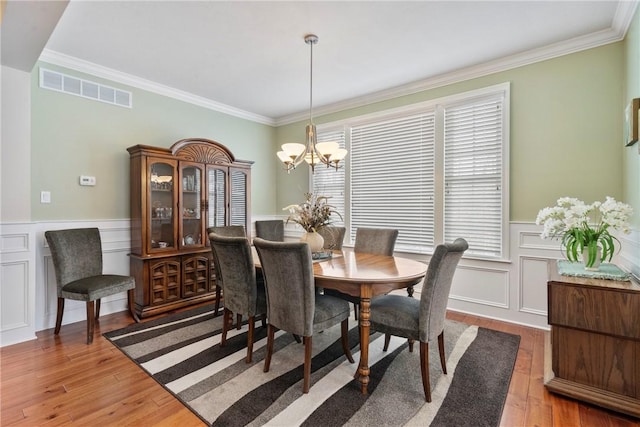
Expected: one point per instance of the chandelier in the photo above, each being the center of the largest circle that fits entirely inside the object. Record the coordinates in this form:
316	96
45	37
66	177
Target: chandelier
313	152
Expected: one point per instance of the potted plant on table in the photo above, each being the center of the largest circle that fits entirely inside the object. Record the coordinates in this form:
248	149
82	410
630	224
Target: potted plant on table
313	214
585	229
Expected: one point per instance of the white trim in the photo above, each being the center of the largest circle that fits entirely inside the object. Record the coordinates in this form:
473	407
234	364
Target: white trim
62	60
622	19
621	22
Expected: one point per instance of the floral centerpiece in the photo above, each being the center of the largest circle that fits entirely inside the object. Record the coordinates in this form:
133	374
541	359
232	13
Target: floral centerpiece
313	214
585	229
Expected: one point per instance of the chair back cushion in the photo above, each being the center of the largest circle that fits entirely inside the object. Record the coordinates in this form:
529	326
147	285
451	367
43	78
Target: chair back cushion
288	276
234	264
379	241
270	230
228	231
436	287
76	254
333	236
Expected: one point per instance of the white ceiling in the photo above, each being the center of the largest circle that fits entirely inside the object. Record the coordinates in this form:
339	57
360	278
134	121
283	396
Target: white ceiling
250	57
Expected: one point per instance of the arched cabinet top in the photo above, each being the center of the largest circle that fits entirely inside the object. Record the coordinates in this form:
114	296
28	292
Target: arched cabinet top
202	151
199	150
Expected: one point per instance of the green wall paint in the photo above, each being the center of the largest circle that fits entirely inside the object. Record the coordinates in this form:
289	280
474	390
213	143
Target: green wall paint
565	129
631	161
73	136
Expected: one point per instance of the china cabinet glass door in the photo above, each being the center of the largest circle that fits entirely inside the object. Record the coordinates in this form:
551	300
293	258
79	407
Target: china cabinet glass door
162	200
216	197
192	205
239	199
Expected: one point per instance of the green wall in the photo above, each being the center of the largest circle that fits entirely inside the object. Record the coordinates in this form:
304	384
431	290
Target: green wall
631	164
566	129
73	136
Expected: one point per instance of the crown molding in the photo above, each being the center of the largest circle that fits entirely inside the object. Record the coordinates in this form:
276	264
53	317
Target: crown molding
62	60
621	22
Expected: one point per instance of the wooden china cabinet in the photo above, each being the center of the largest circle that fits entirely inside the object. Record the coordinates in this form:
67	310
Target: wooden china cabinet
176	194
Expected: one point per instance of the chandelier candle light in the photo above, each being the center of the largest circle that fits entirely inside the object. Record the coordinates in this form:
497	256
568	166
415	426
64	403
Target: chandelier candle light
313	152
584	229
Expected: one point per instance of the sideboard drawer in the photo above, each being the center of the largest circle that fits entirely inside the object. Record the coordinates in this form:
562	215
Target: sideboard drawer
607	311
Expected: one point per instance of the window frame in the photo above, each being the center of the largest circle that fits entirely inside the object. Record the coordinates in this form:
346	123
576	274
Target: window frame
439	105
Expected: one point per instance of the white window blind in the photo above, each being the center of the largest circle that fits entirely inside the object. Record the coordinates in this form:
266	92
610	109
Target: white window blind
392	178
331	182
473	175
435	171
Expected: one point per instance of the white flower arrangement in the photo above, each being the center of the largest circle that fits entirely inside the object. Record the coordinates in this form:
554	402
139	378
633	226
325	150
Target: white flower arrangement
581	226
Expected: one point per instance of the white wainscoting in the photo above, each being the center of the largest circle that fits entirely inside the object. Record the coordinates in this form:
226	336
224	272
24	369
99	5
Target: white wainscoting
513	291
17	283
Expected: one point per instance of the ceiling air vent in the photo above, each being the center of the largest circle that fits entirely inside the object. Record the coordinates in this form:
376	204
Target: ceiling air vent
87	89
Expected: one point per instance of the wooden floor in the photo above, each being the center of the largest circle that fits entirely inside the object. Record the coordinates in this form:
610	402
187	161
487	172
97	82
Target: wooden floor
57	381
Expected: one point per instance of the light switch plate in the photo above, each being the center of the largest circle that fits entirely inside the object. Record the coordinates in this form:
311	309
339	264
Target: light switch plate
45	197
87	180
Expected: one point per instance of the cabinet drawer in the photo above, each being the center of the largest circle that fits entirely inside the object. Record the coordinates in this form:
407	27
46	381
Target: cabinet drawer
613	312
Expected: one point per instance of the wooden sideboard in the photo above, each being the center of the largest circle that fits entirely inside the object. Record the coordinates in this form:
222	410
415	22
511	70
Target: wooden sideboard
593	349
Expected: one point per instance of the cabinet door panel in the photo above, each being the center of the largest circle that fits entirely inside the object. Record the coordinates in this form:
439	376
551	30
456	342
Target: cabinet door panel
162	199
216	197
164	283
239	197
191	204
195	275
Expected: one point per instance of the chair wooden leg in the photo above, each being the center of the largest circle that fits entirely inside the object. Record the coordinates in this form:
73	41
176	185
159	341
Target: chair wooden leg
238	321
132	309
410	291
356	308
252	321
411	345
297	338
97	309
56	331
308	344
218	295
264	320
387	338
344	329
267	358
90	321
424	367
226	322
443	360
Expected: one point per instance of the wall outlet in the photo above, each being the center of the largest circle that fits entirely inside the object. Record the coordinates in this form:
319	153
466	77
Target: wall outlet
87	180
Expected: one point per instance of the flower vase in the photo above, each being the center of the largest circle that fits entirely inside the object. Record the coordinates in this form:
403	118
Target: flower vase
595	266
315	241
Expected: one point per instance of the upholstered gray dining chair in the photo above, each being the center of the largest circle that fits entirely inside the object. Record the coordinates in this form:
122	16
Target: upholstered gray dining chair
242	295
333	236
270	230
77	261
293	304
228	231
421	320
379	241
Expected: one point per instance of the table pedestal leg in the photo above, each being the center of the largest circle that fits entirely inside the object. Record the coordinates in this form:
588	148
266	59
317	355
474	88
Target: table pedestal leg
363	368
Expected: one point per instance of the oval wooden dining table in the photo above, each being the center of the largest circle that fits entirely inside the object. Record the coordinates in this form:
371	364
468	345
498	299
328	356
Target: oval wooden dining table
365	275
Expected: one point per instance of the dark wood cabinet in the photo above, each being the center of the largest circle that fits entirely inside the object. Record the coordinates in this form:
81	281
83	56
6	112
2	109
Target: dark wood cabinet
593	348
176	194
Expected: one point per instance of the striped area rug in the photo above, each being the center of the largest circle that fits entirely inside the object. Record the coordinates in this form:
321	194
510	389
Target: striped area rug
182	353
